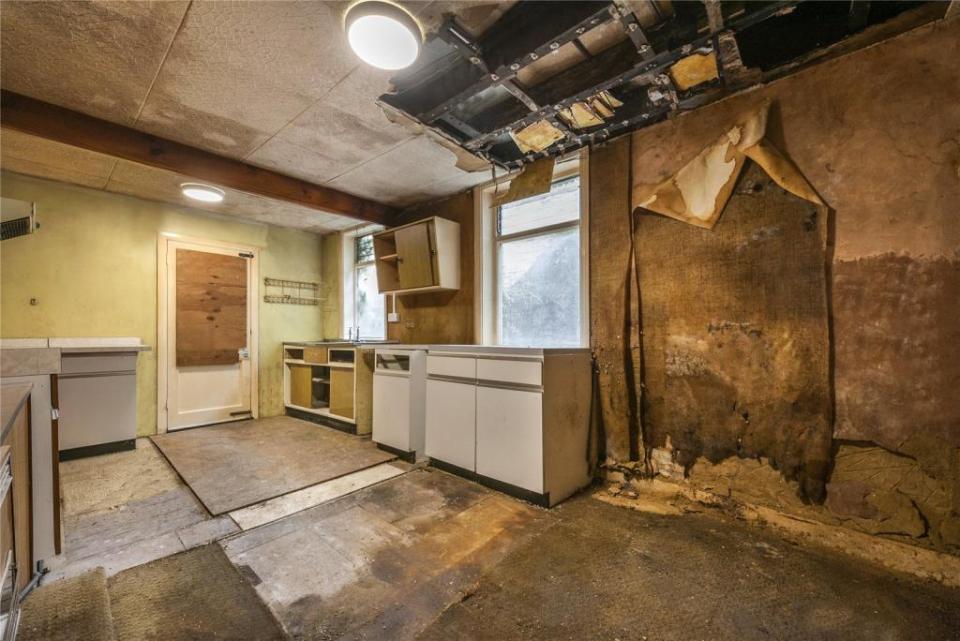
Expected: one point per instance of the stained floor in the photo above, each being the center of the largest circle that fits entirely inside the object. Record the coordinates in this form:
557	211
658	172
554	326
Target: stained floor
234	465
125	509
404	554
605	572
382	563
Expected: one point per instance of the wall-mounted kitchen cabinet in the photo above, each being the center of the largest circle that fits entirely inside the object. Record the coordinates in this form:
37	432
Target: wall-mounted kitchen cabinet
419	257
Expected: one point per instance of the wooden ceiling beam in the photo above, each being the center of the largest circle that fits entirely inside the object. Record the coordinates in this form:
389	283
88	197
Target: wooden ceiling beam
45	120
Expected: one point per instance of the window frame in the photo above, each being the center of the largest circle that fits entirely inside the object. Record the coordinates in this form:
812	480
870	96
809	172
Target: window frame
487	249
350	269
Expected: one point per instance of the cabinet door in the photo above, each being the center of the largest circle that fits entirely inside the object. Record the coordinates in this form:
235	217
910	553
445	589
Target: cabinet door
415	256
391	410
510	436
341	392
451	423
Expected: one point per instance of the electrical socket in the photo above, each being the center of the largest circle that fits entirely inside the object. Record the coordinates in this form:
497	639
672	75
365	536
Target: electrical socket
393	317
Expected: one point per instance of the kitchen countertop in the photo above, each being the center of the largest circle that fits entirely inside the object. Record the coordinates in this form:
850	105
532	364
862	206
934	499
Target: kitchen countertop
338	342
78	345
13	396
506	350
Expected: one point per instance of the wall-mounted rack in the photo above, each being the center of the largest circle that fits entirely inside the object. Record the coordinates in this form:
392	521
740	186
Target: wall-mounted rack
291	292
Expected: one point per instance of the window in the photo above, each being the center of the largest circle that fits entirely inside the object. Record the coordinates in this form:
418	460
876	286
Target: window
368	309
539	281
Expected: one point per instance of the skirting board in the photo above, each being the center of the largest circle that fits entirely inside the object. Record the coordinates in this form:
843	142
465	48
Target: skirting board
326	421
543	500
98	449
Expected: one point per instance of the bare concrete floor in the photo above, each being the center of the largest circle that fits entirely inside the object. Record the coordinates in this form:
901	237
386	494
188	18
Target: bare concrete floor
124	509
233	465
605	572
422	554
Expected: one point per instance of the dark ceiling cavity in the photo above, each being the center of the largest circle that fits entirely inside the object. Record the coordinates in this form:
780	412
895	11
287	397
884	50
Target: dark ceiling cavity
550	77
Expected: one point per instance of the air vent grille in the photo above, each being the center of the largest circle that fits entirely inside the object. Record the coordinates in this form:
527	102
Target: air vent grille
15	227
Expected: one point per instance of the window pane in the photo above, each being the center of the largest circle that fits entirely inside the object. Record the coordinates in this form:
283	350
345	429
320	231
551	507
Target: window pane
539	290
364	248
370	304
561	205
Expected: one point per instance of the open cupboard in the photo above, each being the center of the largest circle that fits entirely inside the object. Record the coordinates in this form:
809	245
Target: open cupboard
419	257
330	384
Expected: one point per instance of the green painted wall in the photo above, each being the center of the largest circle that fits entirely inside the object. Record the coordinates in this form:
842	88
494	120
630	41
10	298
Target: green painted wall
93	269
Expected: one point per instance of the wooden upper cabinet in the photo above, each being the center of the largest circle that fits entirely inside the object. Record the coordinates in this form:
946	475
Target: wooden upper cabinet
420	257
415	253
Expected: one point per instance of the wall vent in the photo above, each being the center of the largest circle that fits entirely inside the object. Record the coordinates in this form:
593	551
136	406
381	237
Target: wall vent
17	218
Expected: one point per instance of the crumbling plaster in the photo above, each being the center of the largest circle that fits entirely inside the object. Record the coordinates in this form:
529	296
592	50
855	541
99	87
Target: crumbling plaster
877	133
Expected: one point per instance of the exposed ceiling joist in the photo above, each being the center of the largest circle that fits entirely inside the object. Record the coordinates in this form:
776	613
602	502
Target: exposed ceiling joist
651	66
508	69
29	116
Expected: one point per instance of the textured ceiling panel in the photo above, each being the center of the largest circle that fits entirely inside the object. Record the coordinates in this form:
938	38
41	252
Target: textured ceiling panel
94	57
239	71
38	157
158	184
416	171
272	83
34	156
329	142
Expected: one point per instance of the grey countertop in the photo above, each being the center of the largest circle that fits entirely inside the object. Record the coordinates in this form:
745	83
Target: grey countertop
470	349
78	345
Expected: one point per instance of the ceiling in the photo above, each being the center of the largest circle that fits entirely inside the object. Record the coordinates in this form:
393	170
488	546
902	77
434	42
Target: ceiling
550	76
271	83
274	84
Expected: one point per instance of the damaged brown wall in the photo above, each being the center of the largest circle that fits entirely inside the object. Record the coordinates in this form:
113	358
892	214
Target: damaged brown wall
442	317
877	133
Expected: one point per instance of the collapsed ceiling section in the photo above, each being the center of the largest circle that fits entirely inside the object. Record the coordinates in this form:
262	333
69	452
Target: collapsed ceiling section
549	77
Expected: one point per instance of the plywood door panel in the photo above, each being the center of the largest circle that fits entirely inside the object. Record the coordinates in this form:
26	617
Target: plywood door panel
301	385
415	256
341	392
211	308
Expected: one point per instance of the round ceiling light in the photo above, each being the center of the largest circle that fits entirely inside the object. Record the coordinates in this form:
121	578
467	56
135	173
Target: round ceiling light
383	34
203	193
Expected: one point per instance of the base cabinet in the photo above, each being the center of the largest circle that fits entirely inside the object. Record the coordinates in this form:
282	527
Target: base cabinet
391	411
510	436
517	419
451	423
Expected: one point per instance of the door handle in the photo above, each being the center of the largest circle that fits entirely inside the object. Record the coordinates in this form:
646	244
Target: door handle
244	353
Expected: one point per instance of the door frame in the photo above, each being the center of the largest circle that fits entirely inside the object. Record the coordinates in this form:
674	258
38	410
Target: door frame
163	317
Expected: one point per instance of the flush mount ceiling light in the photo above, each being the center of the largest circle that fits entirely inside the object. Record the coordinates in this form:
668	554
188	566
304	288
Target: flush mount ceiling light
203	193
383	34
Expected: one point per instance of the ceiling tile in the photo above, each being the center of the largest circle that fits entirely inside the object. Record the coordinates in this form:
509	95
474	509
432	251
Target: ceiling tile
336	139
158	184
34	156
415	171
239	71
94	57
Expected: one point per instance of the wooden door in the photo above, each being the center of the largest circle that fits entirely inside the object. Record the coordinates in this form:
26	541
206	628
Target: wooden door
209	337
415	249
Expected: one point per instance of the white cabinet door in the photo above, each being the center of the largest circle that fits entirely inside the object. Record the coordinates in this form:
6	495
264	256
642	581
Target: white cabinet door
391	410
510	436
451	423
